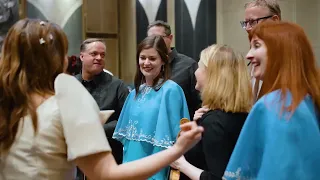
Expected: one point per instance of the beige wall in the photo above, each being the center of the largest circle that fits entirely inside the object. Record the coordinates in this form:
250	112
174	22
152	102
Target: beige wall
95	25
128	39
308	15
231	12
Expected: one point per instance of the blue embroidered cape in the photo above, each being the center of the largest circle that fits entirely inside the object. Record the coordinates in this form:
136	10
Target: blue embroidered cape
150	122
275	145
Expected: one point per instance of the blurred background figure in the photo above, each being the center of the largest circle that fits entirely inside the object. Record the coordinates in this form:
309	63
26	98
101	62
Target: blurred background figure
9	14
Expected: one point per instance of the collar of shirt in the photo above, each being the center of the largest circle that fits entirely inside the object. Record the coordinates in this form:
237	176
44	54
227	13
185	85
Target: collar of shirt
95	81
156	87
173	54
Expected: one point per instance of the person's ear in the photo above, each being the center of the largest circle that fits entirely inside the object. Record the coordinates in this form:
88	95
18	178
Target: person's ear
275	18
81	57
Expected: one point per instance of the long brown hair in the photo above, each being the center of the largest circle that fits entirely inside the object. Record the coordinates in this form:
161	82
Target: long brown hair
159	45
291	64
33	55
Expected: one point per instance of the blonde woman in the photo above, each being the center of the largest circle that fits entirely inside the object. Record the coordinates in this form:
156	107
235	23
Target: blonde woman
224	83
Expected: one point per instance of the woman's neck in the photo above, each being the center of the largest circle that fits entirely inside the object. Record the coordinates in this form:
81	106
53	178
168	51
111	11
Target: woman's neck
38	99
149	82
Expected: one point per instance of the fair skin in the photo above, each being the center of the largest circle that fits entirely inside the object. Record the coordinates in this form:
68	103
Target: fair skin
201	76
188	169
253	13
93	60
160	31
150	64
182	164
103	166
257	55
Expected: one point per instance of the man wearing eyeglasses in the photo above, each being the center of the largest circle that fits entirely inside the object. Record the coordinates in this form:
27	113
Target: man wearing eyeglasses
258	11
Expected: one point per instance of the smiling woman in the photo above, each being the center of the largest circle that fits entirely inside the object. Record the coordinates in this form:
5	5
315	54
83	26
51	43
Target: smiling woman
280	138
258	57
150	119
150	64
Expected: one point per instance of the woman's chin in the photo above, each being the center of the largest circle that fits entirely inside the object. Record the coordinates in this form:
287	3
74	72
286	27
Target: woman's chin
198	88
147	74
257	75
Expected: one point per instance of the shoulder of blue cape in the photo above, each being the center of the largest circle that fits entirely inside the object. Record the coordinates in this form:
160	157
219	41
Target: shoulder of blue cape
271	105
173	107
169	89
270	136
172	87
173	90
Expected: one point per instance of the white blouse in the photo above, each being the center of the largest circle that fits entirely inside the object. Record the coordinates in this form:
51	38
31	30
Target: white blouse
69	127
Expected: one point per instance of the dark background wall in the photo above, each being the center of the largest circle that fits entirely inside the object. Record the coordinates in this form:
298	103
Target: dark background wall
195	23
191	40
142	17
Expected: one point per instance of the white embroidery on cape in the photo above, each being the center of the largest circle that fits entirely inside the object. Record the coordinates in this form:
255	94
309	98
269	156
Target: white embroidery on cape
131	132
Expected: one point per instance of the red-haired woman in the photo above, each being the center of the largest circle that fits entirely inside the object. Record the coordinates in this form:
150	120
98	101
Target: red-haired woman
280	138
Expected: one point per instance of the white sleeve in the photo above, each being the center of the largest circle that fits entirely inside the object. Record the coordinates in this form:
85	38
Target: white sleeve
83	131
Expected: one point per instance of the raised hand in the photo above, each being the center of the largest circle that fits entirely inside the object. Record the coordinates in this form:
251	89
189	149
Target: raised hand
189	136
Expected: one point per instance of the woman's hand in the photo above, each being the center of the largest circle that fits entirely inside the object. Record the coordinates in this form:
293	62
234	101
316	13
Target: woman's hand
178	163
103	165
189	136
198	114
186	168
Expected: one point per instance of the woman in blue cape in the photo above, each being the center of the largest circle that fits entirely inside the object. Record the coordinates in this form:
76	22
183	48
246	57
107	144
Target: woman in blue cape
150	119
280	139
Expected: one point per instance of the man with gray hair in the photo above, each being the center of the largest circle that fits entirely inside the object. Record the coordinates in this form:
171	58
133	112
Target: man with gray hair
257	11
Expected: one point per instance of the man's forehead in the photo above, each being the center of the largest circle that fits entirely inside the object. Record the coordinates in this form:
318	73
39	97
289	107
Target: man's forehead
156	30
96	46
254	12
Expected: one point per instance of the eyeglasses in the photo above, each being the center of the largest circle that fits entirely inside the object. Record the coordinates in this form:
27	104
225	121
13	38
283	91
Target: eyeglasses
252	22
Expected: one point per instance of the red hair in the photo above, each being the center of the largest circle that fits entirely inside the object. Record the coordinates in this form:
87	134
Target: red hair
291	65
